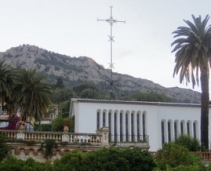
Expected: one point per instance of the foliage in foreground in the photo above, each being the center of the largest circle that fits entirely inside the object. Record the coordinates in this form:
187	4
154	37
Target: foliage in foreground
3	147
174	157
121	160
13	164
48	144
192	144
111	159
171	157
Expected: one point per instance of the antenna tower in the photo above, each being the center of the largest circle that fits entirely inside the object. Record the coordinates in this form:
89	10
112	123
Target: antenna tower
111	21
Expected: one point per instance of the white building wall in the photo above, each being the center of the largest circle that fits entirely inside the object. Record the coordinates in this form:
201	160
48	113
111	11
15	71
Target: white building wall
85	112
177	113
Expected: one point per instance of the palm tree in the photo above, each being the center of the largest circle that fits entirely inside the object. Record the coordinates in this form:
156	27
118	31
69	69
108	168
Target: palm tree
32	95
193	57
8	77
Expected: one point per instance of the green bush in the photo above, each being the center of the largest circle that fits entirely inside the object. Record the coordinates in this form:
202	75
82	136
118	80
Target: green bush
74	161
114	159
3	147
49	145
43	127
190	143
65	114
138	159
57	124
173	156
13	164
187	168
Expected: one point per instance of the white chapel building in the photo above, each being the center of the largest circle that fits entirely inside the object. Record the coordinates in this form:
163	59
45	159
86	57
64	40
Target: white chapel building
135	121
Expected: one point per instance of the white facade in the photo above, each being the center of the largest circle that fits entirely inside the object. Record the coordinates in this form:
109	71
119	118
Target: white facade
131	121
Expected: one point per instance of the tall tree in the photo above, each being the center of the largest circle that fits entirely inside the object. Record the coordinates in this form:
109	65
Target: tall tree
8	78
59	83
193	57
32	94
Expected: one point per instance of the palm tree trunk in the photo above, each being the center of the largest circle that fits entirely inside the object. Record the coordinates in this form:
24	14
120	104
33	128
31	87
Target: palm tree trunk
205	106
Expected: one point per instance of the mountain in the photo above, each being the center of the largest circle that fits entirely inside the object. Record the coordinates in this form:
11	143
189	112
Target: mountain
84	69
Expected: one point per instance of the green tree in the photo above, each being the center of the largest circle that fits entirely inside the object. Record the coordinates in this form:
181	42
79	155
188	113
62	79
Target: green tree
49	145
80	88
74	161
14	164
193	52
59	83
173	156
57	124
65	108
151	97
192	144
89	93
3	147
8	78
114	159
32	94
61	95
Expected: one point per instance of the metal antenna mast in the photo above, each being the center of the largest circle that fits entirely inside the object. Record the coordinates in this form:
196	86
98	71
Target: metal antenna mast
111	21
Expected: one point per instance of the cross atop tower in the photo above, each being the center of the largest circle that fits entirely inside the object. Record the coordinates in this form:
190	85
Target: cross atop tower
111	21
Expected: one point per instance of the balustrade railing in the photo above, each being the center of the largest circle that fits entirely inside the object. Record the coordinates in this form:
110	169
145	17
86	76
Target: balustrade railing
101	137
204	155
57	136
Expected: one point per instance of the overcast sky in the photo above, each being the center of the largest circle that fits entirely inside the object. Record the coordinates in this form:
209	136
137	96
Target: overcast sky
142	46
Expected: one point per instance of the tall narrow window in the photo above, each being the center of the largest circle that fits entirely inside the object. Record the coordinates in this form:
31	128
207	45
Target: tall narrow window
109	125
121	126
162	132
144	128
126	127
194	129
175	130
104	119
188	128
181	127
169	131
138	127
98	120
132	126
115	126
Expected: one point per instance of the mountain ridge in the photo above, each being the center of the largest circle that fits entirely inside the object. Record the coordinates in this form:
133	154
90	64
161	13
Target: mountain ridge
80	69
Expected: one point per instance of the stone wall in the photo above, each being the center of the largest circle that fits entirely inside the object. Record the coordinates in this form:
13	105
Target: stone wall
25	150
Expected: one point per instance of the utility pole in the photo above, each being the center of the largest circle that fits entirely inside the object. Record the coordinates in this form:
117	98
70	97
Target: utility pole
111	21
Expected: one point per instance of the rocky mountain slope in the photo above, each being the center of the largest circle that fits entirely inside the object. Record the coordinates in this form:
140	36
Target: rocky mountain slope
84	69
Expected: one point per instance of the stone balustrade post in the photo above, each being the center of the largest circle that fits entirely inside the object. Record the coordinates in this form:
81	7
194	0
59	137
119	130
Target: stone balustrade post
20	135
65	137
105	136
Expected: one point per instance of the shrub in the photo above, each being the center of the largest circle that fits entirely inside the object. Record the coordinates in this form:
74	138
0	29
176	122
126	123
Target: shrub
192	144
43	127
187	168
74	161
13	164
3	147
173	155
49	144
57	124
114	159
